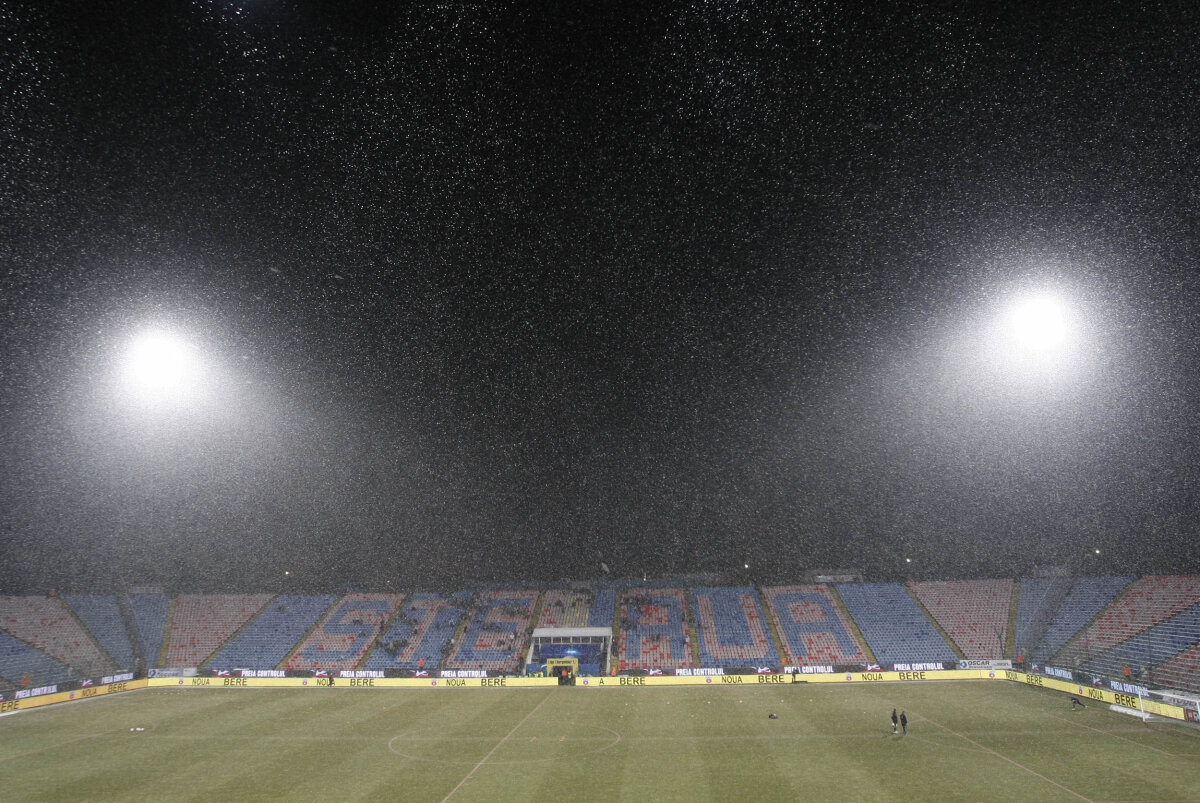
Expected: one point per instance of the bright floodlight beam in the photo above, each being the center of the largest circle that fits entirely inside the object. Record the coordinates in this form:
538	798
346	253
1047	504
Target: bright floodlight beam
1033	342
1039	324
160	367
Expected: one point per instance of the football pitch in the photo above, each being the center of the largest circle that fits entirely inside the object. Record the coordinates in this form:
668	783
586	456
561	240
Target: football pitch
975	741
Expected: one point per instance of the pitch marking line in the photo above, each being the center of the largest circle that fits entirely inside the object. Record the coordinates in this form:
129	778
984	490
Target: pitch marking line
500	743
1003	757
60	744
402	739
1122	738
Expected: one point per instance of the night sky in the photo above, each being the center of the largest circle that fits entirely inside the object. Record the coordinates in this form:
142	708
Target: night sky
475	292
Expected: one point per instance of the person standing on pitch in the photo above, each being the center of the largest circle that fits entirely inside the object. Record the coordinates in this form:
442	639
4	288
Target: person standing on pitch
894	720
903	724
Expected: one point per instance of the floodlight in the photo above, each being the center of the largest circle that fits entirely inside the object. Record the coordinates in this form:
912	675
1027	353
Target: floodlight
1039	323
161	367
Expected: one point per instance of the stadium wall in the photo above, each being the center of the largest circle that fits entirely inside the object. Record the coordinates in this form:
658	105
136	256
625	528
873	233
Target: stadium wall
1092	693
1126	699
86	693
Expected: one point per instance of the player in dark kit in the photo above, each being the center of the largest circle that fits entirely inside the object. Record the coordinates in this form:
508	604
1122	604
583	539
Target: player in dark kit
1075	703
894	720
903	724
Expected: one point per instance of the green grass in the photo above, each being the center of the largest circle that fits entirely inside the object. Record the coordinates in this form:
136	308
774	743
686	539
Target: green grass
974	741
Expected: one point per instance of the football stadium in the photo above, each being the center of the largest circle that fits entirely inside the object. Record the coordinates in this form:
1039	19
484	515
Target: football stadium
697	400
1051	688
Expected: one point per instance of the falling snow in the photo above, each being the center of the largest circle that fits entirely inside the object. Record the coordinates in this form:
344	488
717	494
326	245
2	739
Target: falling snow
473	292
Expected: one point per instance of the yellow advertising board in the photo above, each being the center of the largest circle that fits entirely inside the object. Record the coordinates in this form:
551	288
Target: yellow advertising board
776	679
1085	693
86	693
352	683
1099	694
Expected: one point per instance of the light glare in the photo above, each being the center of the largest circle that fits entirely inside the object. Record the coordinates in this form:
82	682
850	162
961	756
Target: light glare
160	367
1039	323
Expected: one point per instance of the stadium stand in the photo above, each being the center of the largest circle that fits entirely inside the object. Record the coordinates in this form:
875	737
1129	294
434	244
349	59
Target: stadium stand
149	612
341	640
731	629
974	613
1181	672
497	633
1087	597
894	627
811	627
1037	601
266	641
1154	645
420	635
47	624
1143	604
22	666
652	635
564	608
604	608
203	622
101	614
1102	624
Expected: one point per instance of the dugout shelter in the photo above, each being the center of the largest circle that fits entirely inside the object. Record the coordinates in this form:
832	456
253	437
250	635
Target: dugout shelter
583	650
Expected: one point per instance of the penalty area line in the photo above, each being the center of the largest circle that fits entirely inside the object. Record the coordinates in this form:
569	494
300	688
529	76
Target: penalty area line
1003	757
1122	738
506	737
